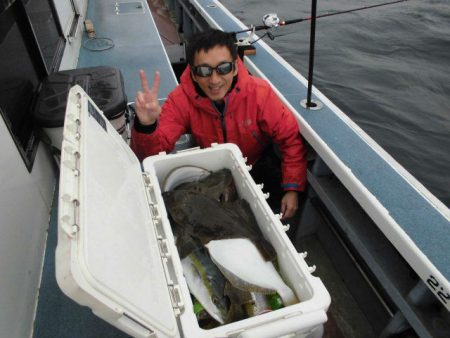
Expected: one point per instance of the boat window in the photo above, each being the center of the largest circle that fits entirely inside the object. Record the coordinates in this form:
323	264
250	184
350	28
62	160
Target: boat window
29	49
49	36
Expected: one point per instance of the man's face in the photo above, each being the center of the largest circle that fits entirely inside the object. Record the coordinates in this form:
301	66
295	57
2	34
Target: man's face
215	86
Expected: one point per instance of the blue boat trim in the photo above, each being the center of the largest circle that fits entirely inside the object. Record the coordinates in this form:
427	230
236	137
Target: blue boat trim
417	217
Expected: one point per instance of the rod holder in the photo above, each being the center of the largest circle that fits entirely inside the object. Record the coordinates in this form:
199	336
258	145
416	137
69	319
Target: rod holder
310	104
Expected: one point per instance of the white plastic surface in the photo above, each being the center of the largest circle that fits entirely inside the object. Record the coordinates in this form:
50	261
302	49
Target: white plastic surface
107	255
304	322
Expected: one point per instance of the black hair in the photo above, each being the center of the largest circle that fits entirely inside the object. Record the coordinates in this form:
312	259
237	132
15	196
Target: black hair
209	39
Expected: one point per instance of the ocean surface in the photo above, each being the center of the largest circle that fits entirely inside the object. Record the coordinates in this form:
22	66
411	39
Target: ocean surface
387	68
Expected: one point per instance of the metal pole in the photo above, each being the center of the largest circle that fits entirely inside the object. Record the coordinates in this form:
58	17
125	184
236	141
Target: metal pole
311	53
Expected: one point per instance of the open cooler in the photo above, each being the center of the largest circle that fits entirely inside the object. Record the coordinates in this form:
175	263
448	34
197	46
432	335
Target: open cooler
116	251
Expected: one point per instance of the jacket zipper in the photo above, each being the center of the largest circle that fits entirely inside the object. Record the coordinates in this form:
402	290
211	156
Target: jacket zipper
222	119
224	127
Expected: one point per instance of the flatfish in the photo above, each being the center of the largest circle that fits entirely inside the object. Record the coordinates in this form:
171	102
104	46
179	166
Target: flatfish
184	174
218	185
199	217
242	265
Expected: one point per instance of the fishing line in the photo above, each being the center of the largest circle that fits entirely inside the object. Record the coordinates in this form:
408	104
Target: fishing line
260	38
289	22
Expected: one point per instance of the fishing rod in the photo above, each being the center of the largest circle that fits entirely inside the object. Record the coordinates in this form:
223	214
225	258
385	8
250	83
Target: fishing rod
271	20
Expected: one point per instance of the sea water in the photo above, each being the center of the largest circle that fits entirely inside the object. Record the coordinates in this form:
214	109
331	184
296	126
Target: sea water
387	68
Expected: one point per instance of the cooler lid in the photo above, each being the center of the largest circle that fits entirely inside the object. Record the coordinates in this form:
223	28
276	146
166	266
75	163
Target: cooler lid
108	255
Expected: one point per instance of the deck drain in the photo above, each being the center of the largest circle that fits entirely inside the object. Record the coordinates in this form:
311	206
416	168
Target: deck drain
135	7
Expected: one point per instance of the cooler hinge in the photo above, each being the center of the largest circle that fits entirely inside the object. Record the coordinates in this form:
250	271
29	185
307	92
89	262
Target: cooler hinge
70	163
163	246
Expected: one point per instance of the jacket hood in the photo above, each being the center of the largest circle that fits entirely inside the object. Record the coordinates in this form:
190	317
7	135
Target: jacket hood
191	91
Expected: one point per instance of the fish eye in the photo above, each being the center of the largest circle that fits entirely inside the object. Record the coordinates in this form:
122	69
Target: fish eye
215	300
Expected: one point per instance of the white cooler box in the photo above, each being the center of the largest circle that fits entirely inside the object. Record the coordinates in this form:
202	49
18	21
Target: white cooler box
116	251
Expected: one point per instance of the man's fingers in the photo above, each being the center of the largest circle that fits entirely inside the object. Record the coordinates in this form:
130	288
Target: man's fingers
140	99
287	215
145	85
156	82
289	204
283	209
288	212
144	81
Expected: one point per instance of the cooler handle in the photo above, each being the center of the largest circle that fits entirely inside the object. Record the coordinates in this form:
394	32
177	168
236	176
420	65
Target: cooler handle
293	324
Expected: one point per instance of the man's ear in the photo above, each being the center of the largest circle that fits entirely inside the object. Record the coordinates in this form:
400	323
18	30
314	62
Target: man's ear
235	66
193	76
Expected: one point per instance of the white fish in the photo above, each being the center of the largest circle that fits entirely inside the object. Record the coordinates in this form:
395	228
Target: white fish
183	174
243	265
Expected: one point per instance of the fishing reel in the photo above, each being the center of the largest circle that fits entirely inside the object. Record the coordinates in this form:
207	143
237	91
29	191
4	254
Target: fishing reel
270	21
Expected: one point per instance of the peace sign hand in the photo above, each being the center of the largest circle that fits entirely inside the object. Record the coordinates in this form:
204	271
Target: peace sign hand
146	103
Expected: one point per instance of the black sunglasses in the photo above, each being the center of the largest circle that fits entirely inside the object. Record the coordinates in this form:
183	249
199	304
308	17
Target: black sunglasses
221	69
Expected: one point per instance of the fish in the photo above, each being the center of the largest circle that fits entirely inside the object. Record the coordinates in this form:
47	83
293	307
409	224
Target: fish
243	266
207	210
183	174
218	185
240	302
258	306
207	284
198	217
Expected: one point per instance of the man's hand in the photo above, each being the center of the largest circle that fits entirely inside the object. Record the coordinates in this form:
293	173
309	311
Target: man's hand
289	204
146	103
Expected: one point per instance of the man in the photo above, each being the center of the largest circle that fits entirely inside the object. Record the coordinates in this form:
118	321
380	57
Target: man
218	101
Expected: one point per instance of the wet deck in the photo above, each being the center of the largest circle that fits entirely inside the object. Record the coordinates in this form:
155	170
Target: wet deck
137	44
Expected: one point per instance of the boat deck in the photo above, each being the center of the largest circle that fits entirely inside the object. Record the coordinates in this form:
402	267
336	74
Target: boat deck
137	44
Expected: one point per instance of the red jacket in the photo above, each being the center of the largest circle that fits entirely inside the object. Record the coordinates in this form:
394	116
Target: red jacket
253	115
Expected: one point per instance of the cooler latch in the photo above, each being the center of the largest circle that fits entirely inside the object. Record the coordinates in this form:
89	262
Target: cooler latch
163	246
